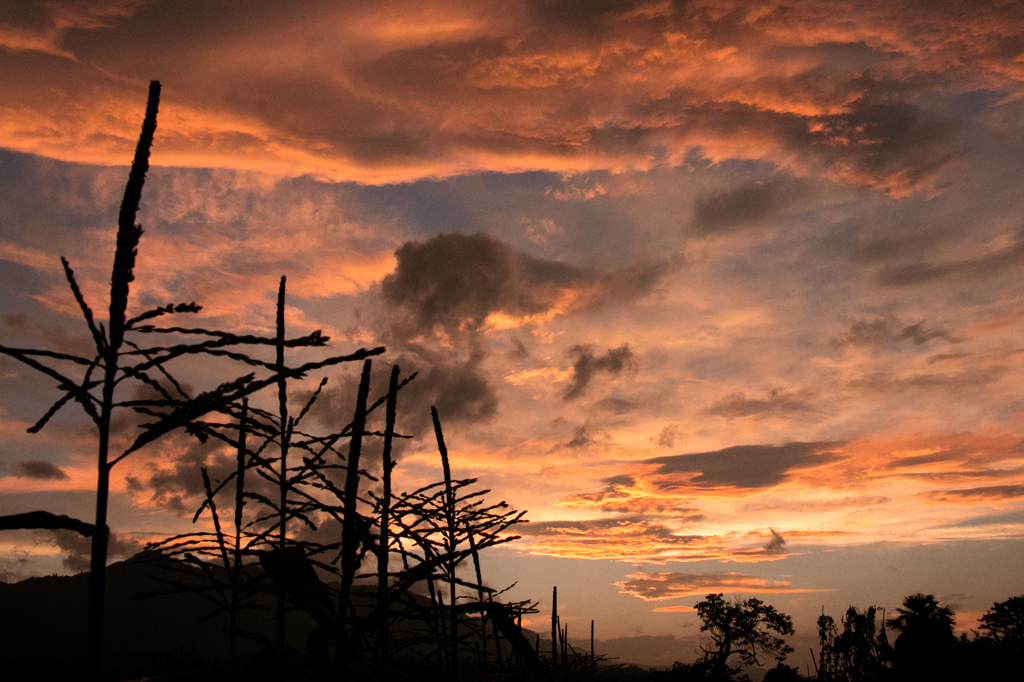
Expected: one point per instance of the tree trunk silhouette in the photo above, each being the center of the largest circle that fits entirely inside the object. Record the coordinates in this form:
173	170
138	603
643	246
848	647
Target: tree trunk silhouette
128	234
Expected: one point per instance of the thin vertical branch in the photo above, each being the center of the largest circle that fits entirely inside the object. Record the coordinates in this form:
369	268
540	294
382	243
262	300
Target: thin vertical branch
385	520
554	631
437	604
519	624
497	643
128	234
221	542
480	597
282	401
593	664
349	541
450	541
236	573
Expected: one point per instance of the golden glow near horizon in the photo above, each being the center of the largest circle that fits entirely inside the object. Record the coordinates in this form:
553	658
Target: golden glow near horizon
724	282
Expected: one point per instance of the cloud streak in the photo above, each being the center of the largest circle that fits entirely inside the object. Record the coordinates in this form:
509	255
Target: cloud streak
673	585
741	466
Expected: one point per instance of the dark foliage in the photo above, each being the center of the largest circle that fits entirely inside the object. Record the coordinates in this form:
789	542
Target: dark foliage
742	629
860	652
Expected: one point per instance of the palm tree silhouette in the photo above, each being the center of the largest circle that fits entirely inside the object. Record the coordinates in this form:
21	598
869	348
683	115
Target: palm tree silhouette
924	647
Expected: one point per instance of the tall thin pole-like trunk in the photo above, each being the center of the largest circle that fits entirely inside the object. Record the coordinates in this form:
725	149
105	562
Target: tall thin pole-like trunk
436	605
480	597
282	401
349	541
554	630
450	541
128	234
593	664
519	657
239	508
497	644
385	519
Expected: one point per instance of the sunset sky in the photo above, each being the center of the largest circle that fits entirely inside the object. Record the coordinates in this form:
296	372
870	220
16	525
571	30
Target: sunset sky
727	295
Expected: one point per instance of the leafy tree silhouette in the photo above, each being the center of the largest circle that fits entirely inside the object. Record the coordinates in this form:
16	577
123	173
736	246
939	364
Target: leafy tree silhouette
998	648
744	628
860	652
925	646
1004	622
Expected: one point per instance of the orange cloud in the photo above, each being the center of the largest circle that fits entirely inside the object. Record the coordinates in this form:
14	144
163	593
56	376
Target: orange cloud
399	92
611	538
672	585
843	493
552	374
992	494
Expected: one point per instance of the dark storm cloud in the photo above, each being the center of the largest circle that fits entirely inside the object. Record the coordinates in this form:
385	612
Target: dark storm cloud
966	270
744	466
777	545
888	330
78	548
23	329
884	140
876	144
746	206
454	281
586	365
177	483
631	282
667	436
518	351
458	388
775	403
580	438
42	471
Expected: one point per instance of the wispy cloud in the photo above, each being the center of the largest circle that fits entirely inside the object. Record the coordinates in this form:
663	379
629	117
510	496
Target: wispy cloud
672	585
775	403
